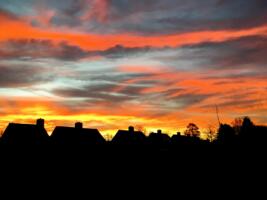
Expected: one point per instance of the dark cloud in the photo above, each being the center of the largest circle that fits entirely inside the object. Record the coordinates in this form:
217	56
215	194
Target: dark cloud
188	100
69	12
33	48
237	53
148	16
7	15
121	51
241	103
103	90
73	8
95	93
220	15
245	104
12	76
172	16
109	93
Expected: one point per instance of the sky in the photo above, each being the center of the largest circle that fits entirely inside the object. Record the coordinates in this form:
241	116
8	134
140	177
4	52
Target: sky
147	63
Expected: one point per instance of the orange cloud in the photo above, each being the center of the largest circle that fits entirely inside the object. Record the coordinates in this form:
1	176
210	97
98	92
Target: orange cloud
17	29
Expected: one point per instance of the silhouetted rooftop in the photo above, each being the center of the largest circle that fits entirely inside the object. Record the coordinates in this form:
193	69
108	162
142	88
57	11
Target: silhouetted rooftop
25	134
159	138
77	135
129	136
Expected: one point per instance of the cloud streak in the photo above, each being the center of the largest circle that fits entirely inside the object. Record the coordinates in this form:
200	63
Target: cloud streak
21	76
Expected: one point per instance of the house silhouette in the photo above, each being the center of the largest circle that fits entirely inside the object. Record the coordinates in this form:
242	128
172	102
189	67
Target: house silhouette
159	139
129	137
76	135
25	134
178	139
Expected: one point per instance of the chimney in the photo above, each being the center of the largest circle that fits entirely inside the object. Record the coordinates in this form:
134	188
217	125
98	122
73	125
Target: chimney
79	125
40	123
131	129
159	132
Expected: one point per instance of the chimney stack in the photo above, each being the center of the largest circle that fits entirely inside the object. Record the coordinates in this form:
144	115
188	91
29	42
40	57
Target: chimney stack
40	123
79	125
131	129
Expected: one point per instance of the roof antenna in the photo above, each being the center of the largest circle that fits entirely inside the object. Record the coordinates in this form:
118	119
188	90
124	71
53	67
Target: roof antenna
217	112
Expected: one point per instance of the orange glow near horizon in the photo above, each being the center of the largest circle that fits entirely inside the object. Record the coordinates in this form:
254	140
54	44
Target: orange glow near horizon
144	124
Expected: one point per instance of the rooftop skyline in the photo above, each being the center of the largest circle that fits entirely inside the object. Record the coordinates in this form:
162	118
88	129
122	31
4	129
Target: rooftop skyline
150	63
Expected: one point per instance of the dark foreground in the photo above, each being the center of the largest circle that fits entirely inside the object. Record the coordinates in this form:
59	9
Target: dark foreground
123	171
132	162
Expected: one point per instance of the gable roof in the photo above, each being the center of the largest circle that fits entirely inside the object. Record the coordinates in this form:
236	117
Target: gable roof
24	134
129	137
159	138
71	135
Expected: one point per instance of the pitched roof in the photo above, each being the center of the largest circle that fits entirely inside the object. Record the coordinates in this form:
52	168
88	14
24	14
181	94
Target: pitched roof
129	137
71	135
158	138
24	134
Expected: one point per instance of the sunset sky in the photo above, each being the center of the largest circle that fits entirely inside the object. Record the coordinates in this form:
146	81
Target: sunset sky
147	63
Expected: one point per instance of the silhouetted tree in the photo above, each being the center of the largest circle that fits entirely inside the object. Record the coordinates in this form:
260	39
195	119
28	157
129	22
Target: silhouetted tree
247	123
246	128
237	124
226	134
192	130
248	120
210	133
